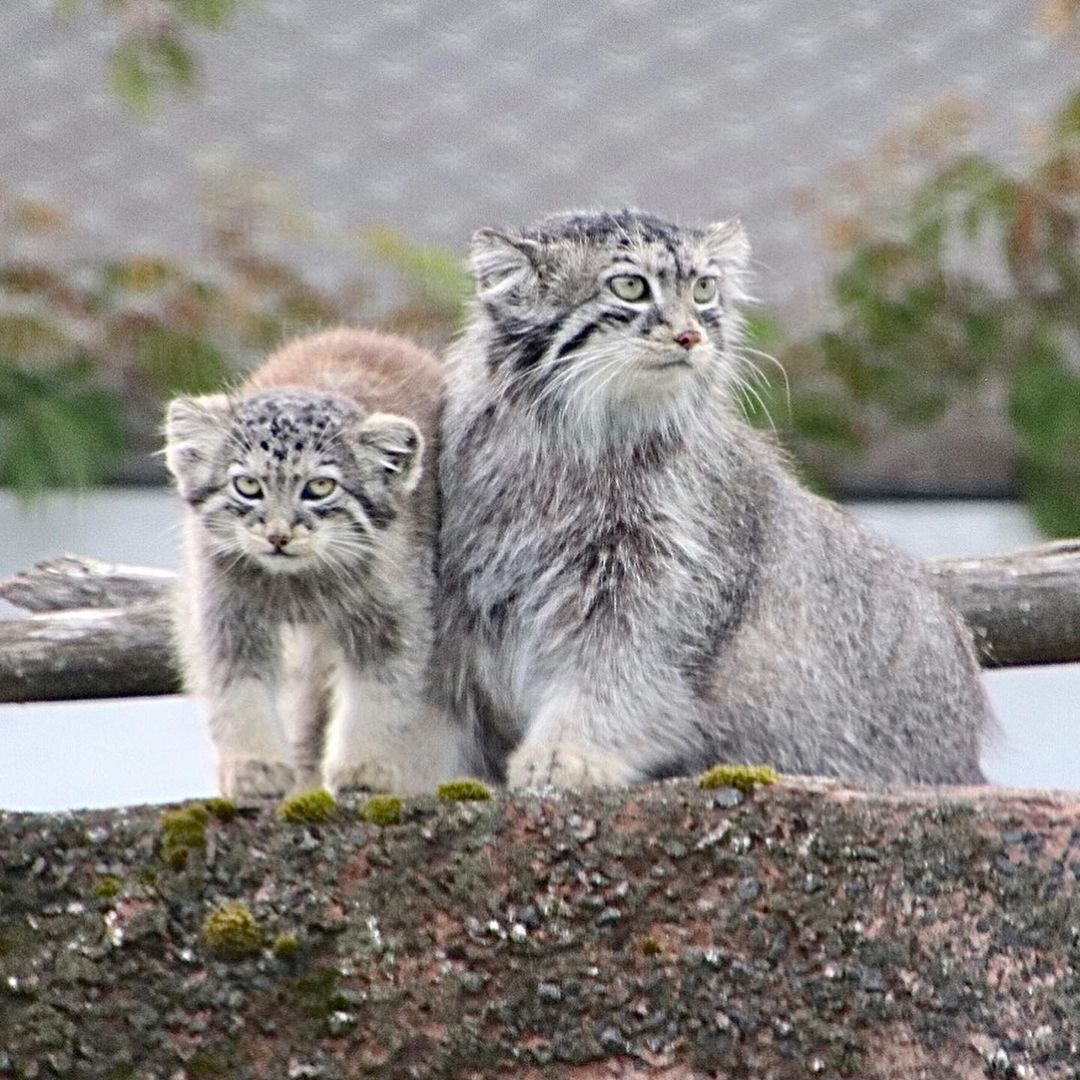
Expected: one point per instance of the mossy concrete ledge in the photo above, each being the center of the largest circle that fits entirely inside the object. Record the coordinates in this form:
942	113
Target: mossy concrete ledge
800	929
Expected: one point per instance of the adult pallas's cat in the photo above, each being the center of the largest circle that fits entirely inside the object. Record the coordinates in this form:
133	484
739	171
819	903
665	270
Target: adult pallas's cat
632	584
305	622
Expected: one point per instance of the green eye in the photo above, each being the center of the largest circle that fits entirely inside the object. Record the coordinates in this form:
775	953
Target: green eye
319	488
704	290
247	486
630	287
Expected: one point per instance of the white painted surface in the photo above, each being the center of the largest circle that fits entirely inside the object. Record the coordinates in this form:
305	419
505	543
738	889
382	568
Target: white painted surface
154	750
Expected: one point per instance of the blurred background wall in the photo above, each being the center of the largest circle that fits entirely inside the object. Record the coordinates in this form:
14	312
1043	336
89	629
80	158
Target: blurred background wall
184	183
436	118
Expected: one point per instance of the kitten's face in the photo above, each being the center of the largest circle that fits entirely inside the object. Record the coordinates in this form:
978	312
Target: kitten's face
609	319
291	481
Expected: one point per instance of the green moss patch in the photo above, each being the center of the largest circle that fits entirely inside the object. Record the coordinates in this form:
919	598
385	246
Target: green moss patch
106	887
382	810
315	807
465	790
743	777
286	946
182	831
222	809
230	931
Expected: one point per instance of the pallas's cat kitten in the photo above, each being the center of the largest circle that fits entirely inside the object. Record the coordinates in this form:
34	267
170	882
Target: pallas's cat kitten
305	621
632	584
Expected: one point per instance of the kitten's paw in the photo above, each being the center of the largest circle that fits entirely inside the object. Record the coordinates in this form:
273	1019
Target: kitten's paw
566	765
371	774
248	778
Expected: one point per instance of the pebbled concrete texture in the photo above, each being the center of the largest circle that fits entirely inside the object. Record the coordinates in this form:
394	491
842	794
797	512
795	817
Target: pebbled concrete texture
799	930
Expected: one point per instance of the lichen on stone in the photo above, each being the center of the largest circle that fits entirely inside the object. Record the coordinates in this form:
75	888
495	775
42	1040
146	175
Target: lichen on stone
315	807
230	930
464	790
382	810
182	831
742	777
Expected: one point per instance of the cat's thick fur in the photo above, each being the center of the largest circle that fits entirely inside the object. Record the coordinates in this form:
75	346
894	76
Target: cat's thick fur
305	622
632	583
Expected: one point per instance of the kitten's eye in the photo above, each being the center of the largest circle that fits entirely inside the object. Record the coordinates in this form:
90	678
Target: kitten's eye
630	287
319	488
704	290
247	486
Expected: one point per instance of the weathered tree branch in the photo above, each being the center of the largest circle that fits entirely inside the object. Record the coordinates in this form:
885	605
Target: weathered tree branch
1023	607
73	582
88	653
102	629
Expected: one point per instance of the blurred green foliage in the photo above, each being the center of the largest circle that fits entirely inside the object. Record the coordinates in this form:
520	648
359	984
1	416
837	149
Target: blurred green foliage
155	53
90	350
975	283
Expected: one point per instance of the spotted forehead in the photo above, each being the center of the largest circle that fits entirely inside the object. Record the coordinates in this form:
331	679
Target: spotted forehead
286	425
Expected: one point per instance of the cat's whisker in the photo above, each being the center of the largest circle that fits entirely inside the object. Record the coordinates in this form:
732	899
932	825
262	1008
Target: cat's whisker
741	353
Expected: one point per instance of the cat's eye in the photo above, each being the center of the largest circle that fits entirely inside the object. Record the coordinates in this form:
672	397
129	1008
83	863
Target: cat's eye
629	287
704	290
247	486
319	487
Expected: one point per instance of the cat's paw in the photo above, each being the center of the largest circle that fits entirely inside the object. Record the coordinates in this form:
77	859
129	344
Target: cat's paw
249	778
372	773
566	765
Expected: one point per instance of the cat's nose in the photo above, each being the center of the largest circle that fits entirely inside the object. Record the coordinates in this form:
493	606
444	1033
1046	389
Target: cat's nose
688	339
277	539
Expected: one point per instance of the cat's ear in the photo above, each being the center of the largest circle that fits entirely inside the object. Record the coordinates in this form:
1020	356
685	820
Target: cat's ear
397	445
727	243
729	250
505	266
195	431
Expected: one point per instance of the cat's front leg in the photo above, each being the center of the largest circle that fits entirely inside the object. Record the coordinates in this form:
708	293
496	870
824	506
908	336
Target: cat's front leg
362	751
231	667
387	737
253	756
571	743
310	659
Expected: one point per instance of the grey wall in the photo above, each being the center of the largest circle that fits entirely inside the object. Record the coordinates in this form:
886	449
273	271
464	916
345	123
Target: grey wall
438	117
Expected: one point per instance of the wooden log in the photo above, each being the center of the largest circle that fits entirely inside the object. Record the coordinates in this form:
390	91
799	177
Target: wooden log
72	581
102	629
88	653
1023	607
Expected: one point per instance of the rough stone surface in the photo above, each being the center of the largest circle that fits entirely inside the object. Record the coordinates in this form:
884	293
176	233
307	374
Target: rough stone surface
806	931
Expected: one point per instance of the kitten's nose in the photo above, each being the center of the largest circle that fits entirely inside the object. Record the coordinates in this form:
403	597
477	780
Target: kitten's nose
688	339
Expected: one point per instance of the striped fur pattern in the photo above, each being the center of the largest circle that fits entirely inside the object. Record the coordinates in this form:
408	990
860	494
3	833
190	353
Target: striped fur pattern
632	584
306	614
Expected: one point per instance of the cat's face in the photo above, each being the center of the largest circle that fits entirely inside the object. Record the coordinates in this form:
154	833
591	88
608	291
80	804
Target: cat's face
609	318
291	481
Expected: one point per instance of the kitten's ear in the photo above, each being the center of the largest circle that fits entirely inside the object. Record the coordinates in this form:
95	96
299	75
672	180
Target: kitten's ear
726	242
504	266
195	430
398	446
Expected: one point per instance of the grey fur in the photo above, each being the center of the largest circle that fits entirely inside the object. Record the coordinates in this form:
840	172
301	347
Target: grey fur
633	585
311	663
